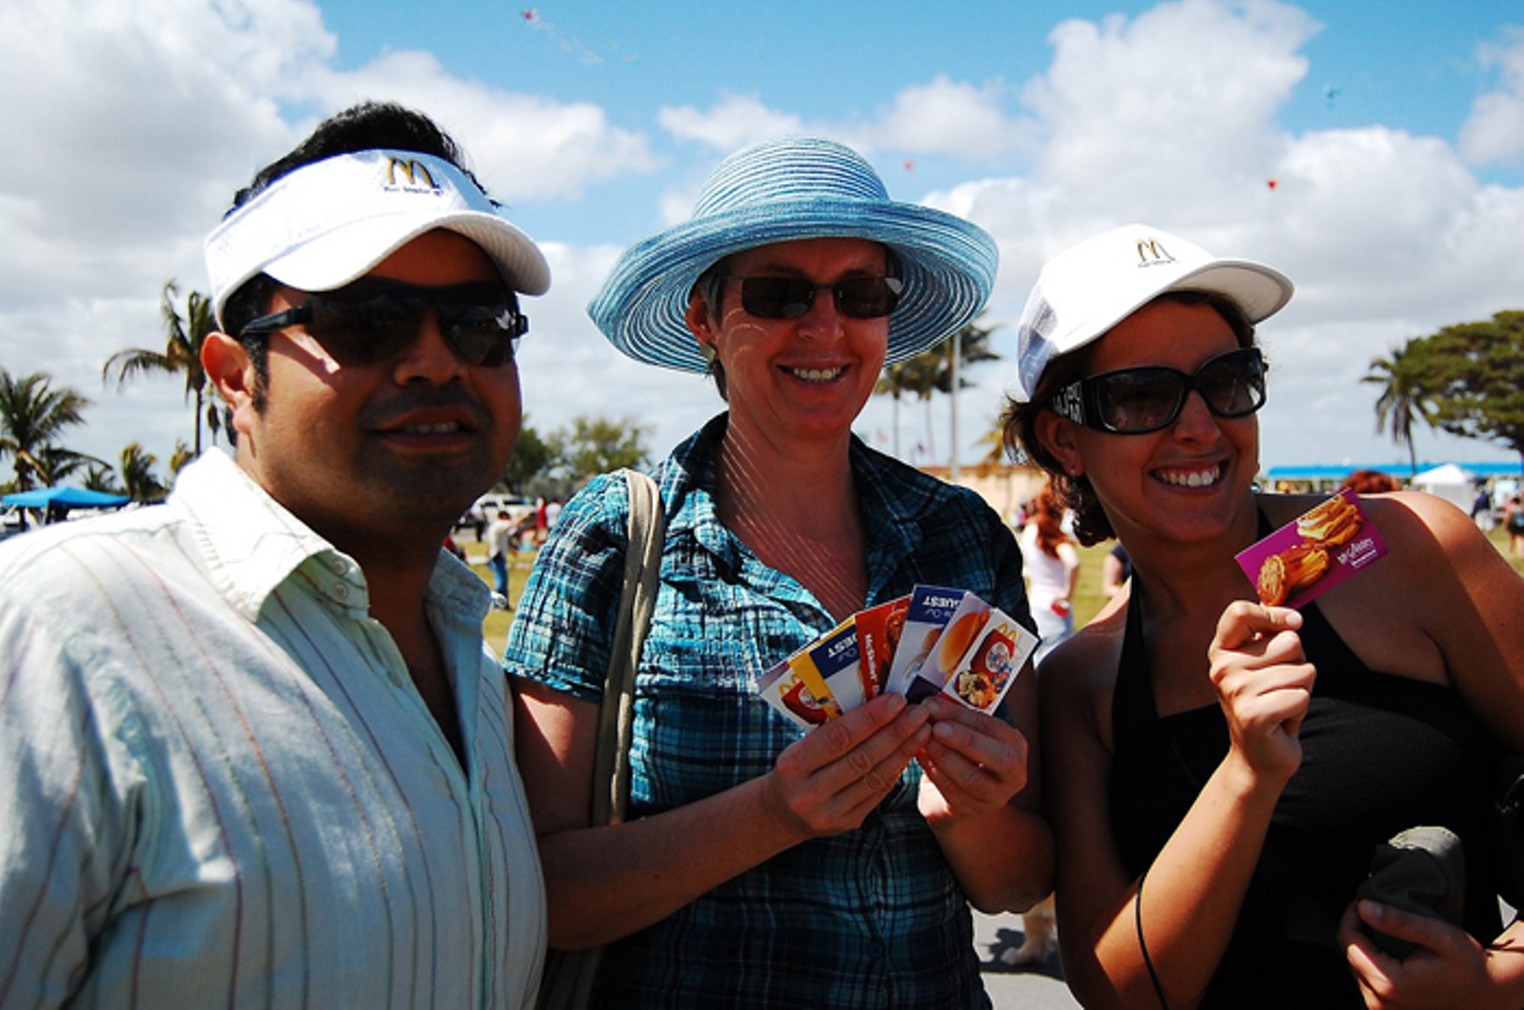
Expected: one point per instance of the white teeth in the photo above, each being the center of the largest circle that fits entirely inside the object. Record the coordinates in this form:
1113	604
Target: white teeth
1195	478
441	428
816	374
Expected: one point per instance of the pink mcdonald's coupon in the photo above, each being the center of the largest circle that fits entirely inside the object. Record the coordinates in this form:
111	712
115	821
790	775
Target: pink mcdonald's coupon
1320	549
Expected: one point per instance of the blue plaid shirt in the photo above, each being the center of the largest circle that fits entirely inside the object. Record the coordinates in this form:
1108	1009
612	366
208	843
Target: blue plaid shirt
869	918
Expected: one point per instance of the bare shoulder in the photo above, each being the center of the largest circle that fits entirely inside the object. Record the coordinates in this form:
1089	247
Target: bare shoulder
1076	679
1426	534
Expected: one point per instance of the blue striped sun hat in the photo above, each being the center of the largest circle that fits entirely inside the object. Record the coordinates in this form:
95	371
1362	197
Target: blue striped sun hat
781	191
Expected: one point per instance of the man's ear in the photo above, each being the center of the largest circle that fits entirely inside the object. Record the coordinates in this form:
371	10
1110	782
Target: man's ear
229	368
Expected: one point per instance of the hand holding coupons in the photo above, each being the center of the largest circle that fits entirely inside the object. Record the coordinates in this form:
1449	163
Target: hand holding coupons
935	640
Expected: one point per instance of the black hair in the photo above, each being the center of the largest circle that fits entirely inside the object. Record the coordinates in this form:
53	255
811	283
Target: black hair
367	126
1018	421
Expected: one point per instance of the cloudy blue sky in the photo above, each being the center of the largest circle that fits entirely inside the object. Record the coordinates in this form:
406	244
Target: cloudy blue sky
1393	133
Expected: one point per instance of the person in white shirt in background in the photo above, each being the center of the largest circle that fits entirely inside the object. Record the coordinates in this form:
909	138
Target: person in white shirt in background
500	545
1051	562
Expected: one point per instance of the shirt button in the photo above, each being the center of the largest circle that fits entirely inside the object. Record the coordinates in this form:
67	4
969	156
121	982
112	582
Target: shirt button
340	591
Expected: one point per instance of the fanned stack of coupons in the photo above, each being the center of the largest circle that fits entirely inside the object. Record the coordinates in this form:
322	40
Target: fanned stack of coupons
935	640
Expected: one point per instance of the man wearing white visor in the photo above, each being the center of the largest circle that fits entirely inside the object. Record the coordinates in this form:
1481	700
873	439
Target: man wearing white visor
253	751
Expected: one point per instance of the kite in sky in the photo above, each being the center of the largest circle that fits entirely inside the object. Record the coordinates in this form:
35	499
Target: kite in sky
575	47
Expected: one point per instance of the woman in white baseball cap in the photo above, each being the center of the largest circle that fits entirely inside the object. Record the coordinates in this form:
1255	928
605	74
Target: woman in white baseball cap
1243	760
759	866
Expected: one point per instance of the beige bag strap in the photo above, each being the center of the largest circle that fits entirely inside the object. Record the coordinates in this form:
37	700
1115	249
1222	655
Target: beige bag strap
642	571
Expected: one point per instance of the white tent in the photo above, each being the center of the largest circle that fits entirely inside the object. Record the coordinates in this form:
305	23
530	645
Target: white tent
1455	484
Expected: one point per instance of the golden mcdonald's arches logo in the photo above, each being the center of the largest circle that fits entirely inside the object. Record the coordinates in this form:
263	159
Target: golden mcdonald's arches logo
414	171
1151	252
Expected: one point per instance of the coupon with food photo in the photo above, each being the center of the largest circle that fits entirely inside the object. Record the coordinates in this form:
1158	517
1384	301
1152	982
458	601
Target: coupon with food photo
950	644
836	657
929	610
785	690
935	640
878	635
985	671
1320	549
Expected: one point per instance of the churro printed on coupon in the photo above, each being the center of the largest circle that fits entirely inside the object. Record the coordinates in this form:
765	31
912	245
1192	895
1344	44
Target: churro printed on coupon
1320	549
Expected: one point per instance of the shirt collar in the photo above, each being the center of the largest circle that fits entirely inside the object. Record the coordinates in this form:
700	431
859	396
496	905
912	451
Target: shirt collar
254	544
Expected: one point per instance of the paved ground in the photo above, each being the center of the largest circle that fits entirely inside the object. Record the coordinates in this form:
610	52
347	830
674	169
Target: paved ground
1032	987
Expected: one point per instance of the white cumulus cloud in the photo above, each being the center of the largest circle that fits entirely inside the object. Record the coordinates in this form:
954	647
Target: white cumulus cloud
1494	132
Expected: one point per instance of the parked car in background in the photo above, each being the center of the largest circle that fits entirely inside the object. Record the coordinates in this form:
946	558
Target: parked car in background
14	521
485	510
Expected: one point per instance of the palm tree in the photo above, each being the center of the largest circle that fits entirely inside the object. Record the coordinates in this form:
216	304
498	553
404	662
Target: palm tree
32	417
100	477
932	372
182	353
993	442
973	346
137	474
916	375
181	456
59	463
1404	398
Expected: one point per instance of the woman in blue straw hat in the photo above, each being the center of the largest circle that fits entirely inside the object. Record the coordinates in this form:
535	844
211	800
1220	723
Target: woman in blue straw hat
759	865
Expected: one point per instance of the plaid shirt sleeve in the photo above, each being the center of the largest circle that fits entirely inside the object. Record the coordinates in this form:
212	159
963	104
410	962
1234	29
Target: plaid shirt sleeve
565	621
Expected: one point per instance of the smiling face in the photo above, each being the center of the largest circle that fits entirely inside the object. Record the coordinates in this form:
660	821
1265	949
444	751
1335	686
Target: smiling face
1187	481
399	446
805	378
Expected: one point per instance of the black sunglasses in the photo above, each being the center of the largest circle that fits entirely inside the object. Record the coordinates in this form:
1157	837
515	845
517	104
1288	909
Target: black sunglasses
373	319
791	297
1135	401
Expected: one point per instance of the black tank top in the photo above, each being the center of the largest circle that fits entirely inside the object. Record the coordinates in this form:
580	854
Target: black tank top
1380	754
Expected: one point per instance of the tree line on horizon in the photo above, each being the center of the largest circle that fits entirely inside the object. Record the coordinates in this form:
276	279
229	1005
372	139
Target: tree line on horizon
1467	379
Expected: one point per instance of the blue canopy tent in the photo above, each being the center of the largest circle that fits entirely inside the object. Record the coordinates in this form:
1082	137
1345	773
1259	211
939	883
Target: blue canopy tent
54	503
64	497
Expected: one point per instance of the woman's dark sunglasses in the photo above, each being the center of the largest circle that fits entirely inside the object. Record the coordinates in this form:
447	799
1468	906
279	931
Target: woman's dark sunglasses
373	319
1135	401
791	297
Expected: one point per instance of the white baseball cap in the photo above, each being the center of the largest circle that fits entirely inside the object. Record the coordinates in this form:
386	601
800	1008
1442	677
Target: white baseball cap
1088	288
330	222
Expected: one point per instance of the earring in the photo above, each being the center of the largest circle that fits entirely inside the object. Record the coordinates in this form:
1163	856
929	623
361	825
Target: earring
707	350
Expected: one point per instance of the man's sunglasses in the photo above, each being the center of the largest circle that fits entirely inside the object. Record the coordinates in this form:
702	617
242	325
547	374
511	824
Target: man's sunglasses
791	297
373	319
1135	401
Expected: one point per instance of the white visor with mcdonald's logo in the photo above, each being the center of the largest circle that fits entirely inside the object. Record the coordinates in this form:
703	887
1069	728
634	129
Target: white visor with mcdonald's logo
328	223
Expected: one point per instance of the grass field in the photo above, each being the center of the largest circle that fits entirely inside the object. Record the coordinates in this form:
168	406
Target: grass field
1087	599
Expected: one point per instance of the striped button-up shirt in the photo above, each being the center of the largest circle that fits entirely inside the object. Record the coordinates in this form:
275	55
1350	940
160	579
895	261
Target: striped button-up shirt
219	787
